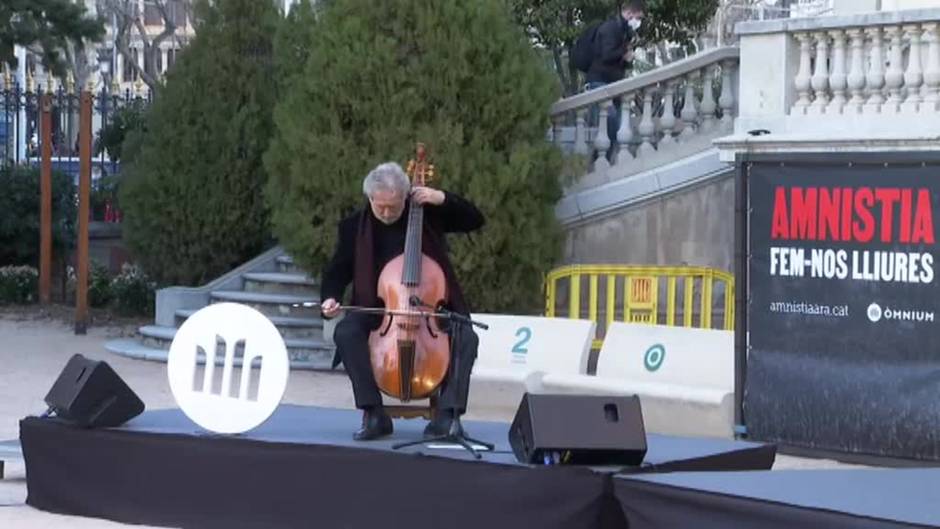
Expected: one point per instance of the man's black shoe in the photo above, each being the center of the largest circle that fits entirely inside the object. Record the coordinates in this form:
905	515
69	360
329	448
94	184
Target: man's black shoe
440	424
375	424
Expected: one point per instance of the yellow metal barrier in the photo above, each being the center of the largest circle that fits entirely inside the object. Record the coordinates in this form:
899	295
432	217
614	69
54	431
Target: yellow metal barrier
640	294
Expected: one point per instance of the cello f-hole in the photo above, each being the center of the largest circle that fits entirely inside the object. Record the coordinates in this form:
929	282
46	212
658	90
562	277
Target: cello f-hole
427	323
388	327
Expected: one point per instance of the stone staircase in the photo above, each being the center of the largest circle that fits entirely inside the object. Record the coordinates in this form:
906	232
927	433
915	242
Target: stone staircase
271	284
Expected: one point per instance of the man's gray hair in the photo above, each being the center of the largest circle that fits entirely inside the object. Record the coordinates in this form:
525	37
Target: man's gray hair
388	176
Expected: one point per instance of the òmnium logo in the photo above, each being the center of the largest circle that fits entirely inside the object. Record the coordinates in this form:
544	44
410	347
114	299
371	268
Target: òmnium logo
876	313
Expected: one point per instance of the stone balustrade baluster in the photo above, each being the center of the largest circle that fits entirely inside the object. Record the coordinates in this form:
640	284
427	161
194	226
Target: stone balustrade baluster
726	99
689	108
894	77
625	132
931	103
875	80
803	75
601	138
708	106
820	79
856	77
646	127
668	120
838	78
580	135
914	75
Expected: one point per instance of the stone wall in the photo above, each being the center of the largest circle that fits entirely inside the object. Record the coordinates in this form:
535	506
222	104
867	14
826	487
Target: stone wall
693	227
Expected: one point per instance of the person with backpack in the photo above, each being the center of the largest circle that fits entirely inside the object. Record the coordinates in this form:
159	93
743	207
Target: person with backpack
604	52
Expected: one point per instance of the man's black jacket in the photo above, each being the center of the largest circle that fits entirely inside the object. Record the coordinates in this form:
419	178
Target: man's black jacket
610	44
456	214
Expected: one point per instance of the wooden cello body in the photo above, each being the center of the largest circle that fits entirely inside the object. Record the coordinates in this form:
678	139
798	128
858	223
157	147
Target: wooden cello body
409	352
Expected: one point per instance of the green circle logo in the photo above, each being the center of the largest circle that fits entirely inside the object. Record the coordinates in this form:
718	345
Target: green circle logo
653	359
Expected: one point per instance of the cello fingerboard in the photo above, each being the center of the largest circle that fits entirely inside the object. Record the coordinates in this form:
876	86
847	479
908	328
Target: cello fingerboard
411	275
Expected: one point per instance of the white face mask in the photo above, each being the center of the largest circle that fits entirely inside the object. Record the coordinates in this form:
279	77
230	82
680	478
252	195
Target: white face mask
635	23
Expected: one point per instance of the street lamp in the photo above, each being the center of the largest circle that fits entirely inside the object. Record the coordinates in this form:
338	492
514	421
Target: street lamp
105	57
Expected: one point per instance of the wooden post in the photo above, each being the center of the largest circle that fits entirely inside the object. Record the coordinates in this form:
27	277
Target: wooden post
45	201
84	190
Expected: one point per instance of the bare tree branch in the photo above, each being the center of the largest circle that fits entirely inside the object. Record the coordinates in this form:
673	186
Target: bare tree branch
169	28
562	70
131	24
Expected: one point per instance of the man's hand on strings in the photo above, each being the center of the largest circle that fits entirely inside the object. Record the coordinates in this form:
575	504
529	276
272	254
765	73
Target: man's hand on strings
426	195
329	308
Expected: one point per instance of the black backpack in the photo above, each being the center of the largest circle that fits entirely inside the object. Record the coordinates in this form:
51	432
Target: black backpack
582	55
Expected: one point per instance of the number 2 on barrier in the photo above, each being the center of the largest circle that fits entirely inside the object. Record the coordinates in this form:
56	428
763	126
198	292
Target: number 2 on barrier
520	345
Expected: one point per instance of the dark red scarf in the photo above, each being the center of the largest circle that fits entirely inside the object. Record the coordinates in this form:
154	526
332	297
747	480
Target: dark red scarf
365	275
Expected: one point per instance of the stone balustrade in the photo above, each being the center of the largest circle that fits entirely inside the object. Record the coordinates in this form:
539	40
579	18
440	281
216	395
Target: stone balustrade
669	113
877	69
857	81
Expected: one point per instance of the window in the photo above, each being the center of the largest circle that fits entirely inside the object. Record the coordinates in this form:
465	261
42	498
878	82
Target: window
152	16
177	13
129	71
147	66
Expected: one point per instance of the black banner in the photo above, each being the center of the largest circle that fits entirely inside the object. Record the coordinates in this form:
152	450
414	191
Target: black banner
844	313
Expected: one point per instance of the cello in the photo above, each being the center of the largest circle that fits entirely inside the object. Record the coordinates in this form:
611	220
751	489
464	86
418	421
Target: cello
409	352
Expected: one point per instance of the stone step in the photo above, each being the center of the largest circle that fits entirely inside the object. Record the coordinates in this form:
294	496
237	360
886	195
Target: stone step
285	263
299	359
158	337
280	283
10	451
270	304
305	328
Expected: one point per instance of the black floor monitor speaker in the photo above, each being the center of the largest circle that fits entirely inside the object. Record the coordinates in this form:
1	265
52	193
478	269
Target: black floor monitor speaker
578	430
89	394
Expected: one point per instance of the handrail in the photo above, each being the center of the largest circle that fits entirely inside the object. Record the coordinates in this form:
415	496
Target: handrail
664	73
830	22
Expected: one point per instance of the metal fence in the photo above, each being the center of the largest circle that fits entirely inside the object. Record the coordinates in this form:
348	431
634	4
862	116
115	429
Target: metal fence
683	296
19	125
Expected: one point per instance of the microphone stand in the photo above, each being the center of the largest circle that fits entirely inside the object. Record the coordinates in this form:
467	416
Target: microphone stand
456	434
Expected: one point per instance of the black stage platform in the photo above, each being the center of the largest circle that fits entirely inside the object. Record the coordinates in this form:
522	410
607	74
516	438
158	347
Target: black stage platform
302	469
783	499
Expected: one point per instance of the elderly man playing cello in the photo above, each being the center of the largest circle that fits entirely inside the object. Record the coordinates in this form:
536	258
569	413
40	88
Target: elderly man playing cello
367	240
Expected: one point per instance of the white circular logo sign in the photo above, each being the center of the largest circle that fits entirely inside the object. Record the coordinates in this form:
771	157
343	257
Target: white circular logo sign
228	368
874	312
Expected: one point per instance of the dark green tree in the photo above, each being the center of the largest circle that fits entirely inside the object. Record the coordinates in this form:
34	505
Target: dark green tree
292	42
456	75
192	183
555	26
47	25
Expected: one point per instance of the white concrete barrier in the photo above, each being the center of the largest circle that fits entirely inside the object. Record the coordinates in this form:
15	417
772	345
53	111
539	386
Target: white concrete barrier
517	351
684	376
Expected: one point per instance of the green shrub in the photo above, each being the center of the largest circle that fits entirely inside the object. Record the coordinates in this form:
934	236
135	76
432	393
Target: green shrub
132	292
19	215
99	285
18	284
